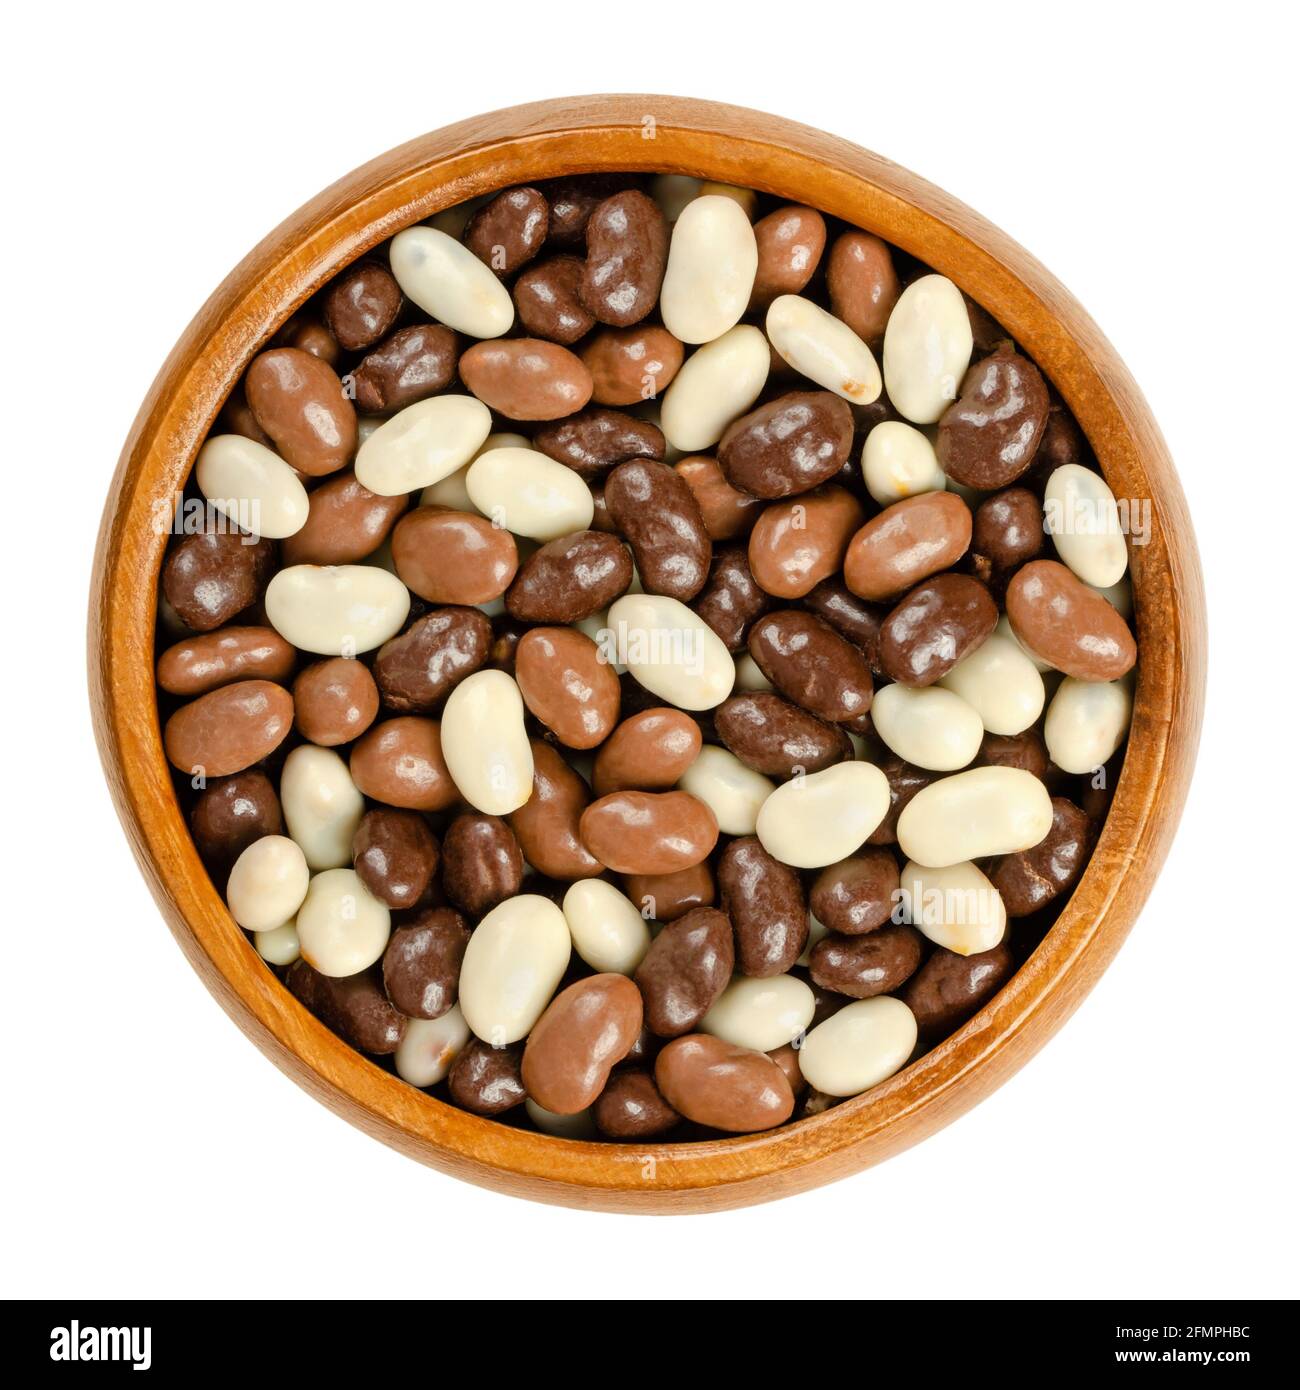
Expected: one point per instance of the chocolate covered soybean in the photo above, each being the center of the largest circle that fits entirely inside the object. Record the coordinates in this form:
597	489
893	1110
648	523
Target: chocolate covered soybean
686	749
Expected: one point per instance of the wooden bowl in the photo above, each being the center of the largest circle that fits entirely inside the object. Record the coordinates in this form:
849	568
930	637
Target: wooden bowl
732	145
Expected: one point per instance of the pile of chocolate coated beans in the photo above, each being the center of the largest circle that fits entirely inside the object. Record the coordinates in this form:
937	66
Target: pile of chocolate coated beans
646	700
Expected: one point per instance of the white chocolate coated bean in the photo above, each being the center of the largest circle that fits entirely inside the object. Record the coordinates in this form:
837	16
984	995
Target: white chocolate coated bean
1086	722
336	610
928	345
956	907
451	490
447	280
515	958
673	192
421	445
579	1125
858	1047
1081	515
748	674
712	261
366	426
322	806
529	494
898	461
761	1014
669	650
733	792
455	219
342	930
820	818
1119	596
268	883
251	485
1000	683
745	198
608	931
485	743
972	814
931	727
823	348
429	1047
279	946
716	385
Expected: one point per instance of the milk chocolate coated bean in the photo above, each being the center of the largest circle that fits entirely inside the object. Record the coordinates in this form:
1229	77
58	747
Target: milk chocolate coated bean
453	557
485	1080
1059	618
635	832
196	665
567	685
949	988
989	435
395	855
345	523
795	545
790	244
417	670
353	1006
1008	530
547	823
549	304
308	333
647	752
361	306
400	763
853	618
422	963
229	815
686	968
777	738
508	230
482	863
569	579
628	365
864	966
666	897
788	445
334	701
731	600
229	729
412	364
812	665
930	631
299	402
725	1087
658	515
627	252
727	512
862	283
526	378
907	543
856	895
631	1107
765	901
593	442
211	576
1032	878
572	1048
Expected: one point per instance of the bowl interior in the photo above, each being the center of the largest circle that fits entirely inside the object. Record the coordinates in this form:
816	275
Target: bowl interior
773	156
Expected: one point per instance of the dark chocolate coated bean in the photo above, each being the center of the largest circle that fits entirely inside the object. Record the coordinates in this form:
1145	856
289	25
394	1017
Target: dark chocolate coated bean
765	901
988	436
937	624
416	670
627	252
657	513
229	814
486	1080
594	441
210	577
777	738
395	856
509	229
631	1107
362	305
1033	878
788	445
949	988
862	967
548	303
858	894
353	1006
412	364
687	967
811	664
731	600
422	963
569	579
482	863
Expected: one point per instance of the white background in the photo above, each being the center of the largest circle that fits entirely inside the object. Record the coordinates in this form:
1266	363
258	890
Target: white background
1149	162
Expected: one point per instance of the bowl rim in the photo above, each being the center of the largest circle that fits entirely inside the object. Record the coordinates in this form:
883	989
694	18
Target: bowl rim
730	145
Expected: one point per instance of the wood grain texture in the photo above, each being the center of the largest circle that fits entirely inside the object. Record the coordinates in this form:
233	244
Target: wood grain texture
585	134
